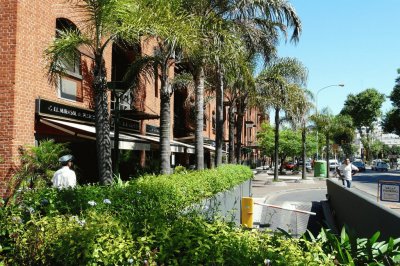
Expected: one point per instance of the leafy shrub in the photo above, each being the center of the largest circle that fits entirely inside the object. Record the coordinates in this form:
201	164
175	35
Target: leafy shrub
180	169
194	241
74	240
38	165
350	250
149	221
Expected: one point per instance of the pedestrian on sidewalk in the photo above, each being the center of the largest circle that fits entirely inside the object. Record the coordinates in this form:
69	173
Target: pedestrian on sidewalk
65	177
346	171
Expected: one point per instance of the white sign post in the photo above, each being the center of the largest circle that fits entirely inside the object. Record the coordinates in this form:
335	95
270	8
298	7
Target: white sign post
390	191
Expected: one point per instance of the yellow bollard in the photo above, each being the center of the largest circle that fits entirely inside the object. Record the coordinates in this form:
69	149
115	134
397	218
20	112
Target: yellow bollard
247	212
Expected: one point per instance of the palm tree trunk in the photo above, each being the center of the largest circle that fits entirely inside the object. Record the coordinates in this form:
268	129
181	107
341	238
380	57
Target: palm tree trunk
219	115
231	134
199	85
303	151
103	141
239	128
327	155
165	122
276	149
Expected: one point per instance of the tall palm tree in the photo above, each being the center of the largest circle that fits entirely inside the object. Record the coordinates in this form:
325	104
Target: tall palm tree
227	26
176	29
278	87
101	23
240	84
302	106
257	23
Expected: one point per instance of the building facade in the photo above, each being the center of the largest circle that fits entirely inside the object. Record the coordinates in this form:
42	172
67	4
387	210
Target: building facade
32	109
375	133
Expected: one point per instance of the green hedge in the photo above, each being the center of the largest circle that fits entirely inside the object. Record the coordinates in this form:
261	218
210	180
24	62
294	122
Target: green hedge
141	222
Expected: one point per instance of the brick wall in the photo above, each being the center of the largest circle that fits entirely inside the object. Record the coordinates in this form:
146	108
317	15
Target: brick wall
27	28
8	22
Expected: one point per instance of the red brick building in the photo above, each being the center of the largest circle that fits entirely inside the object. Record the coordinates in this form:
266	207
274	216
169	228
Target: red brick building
32	109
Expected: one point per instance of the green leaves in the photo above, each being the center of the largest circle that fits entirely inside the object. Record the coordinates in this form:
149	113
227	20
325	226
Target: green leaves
364	107
351	250
279	84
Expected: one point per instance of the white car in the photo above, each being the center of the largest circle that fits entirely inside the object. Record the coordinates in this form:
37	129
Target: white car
333	164
375	164
382	167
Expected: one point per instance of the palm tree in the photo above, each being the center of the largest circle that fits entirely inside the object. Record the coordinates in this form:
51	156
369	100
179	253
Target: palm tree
257	24
176	29
102	23
240	84
302	106
278	87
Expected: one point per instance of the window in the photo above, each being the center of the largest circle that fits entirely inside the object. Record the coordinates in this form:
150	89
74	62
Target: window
69	85
67	89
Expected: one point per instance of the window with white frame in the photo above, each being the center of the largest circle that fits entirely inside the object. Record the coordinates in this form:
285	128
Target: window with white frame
69	84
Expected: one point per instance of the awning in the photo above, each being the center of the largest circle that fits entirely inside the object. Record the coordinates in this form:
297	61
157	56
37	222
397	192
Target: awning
176	146
136	115
126	142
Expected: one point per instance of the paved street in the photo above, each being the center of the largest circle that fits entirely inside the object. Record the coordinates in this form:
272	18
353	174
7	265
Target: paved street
293	193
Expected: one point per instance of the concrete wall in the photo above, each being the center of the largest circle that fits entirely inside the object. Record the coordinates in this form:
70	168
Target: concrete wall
365	216
227	204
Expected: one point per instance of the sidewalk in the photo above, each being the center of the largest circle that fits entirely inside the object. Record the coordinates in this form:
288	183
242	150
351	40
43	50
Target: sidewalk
264	191
264	187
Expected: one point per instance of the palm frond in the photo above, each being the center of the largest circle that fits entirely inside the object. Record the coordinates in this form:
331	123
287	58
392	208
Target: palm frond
141	68
63	52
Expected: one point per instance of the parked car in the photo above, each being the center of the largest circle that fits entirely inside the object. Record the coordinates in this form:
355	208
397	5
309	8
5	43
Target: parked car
375	164
299	166
288	165
333	164
360	165
382	167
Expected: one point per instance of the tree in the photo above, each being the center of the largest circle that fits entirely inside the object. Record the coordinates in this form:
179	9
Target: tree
175	29
391	120
240	84
257	23
102	23
213	27
364	107
278	87
302	104
330	125
290	142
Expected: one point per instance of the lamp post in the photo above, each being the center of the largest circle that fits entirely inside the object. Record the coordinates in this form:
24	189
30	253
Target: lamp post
118	89
316	103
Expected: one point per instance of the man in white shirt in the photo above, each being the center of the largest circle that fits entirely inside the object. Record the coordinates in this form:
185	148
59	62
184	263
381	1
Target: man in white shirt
345	172
65	177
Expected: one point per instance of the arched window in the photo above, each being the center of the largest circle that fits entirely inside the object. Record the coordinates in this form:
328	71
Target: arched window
70	83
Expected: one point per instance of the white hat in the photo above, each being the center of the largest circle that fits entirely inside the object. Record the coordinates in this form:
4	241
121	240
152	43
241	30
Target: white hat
66	158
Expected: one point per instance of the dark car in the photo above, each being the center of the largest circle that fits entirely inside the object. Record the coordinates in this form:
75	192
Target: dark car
360	165
299	166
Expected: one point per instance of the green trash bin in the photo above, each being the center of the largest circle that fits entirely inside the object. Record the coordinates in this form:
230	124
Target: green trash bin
319	169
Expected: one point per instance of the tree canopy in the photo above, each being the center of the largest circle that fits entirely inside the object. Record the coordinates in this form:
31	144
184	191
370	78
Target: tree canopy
391	120
364	107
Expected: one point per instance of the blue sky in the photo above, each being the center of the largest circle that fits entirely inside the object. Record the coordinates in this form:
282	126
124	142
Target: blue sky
354	42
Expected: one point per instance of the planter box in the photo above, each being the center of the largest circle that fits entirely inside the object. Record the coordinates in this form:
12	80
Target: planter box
227	204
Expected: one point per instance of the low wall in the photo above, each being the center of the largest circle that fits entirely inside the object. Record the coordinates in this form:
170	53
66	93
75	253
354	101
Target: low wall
227	204
365	216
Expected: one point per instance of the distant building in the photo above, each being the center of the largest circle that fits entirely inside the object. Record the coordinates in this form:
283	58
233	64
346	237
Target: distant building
376	134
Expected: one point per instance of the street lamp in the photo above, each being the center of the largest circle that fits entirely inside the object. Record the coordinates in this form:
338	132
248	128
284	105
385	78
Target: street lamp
316	104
